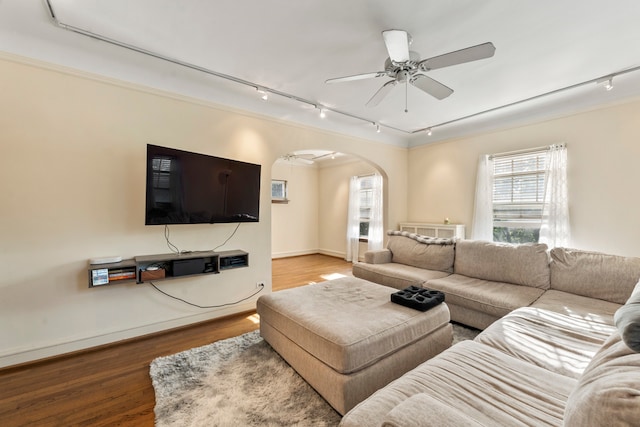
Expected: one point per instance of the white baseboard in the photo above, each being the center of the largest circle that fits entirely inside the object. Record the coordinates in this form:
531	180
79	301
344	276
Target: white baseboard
293	253
328	252
335	254
18	356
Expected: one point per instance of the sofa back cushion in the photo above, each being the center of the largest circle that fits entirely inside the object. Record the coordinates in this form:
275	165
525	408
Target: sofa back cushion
409	251
593	274
608	392
526	264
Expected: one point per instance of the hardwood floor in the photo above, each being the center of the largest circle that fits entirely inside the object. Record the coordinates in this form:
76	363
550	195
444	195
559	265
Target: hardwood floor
110	385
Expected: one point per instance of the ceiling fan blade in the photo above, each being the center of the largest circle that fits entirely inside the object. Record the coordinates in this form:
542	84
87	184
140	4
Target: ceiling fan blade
294	158
430	86
397	42
381	93
303	161
357	77
481	51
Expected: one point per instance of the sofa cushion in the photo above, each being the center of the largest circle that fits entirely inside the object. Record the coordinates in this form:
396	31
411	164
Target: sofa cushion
421	409
627	320
551	340
347	323
608	393
495	298
579	307
594	274
409	251
380	256
526	264
482	383
397	276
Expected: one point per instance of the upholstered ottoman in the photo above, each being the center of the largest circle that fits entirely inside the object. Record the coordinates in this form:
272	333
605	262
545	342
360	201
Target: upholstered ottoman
347	339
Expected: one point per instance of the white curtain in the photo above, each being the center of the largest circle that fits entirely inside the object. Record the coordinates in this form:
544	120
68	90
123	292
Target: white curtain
376	232
555	213
482	227
353	220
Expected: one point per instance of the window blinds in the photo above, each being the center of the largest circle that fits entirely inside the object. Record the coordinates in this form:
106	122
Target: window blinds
518	189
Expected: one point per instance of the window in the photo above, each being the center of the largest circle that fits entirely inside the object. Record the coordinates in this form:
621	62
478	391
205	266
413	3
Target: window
365	195
518	196
364	216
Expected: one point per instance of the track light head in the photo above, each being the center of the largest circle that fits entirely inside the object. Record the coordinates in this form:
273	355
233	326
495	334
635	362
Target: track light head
609	84
429	132
264	95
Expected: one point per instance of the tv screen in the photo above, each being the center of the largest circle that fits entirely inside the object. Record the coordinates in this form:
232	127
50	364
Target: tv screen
192	188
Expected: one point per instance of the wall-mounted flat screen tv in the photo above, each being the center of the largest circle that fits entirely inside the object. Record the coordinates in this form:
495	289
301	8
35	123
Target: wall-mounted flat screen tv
191	188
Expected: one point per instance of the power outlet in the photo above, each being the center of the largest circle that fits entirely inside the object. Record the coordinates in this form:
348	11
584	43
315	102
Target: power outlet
259	285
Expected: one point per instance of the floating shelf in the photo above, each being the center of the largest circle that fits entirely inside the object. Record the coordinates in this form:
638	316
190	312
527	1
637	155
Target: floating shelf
146	268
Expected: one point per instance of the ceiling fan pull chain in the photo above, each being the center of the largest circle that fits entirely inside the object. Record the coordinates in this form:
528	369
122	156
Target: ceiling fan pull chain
406	96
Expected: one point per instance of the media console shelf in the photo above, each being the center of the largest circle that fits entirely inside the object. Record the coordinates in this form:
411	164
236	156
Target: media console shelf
146	268
112	273
176	265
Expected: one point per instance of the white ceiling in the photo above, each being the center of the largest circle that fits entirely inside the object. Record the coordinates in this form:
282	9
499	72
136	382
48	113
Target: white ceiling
292	47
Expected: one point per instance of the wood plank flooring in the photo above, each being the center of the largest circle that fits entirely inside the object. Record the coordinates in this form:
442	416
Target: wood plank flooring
110	385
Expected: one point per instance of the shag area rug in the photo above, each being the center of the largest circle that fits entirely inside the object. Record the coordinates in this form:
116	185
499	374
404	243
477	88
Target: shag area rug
240	381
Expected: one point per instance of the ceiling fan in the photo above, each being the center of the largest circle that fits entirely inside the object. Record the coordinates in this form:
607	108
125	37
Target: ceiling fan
307	158
405	66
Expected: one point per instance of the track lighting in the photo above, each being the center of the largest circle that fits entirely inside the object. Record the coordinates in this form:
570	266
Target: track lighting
323	113
263	94
609	84
429	131
264	91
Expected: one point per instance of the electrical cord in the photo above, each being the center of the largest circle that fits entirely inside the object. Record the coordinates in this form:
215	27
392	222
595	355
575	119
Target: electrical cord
228	238
176	250
207	306
171	246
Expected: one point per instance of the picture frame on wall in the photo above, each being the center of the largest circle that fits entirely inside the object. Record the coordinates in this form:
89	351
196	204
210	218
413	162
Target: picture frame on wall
279	191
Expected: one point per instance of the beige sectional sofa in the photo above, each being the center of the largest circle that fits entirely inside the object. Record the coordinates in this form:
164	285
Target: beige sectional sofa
550	353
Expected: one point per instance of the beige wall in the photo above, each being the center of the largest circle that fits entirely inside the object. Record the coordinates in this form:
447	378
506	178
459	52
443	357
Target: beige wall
334	204
603	151
294	225
72	186
315	219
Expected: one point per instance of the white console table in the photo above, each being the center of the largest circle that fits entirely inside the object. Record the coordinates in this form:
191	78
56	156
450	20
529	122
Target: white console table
434	230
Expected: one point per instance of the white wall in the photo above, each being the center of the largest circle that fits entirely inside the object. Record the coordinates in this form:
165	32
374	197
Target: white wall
603	175
294	225
72	187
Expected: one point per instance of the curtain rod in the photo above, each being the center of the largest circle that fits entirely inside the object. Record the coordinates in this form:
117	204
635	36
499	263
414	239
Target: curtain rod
527	150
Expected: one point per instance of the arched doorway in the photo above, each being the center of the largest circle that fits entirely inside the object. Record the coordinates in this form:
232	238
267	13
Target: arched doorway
313	218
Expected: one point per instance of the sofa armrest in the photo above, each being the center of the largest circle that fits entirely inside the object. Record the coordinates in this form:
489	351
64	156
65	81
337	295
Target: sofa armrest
424	410
381	256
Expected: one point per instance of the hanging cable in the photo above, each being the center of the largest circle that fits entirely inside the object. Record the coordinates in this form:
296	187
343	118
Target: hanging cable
228	238
206	306
171	246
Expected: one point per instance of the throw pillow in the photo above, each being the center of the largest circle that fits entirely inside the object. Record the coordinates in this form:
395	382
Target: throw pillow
608	392
627	320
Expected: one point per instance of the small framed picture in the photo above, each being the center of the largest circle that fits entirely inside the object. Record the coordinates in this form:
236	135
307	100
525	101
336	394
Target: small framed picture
279	191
